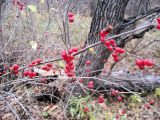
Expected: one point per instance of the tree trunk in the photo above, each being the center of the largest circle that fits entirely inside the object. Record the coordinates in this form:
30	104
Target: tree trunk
108	12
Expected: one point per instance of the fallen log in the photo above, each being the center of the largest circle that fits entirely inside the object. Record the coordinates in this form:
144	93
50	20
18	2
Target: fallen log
130	81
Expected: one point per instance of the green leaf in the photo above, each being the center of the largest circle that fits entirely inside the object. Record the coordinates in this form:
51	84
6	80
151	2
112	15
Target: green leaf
61	64
33	8
136	99
72	111
45	114
33	44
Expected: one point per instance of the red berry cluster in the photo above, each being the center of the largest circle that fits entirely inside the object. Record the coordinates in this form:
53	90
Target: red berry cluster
158	26
111	44
35	62
20	5
71	17
85	109
115	93
29	74
15	69
141	63
148	105
90	84
101	99
47	67
68	58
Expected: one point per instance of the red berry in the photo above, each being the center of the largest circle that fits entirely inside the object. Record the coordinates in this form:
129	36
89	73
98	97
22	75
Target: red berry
15	67
30	65
147	106
91	84
38	61
33	62
119	50
119	98
116	59
49	65
64	54
151	102
70	14
107	43
88	62
48	68
148	62
71	19
85	109
114	92
70	51
114	55
75	49
139	62
100	99
117	116
102	39
110	48
158	26
102	34
25	73
44	67
158	20
112	41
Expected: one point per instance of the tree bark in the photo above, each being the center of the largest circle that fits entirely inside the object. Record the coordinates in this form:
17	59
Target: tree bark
108	12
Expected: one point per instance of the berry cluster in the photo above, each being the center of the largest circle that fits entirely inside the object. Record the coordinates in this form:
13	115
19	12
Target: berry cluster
17	3
158	26
15	69
68	58
35	62
101	99
115	93
90	84
141	63
47	67
111	44
29	74
71	17
85	109
148	105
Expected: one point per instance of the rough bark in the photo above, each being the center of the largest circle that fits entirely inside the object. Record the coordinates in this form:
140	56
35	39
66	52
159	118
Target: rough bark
108	12
133	82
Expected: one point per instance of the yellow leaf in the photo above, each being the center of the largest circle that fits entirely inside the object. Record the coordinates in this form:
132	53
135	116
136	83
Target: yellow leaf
33	8
41	1
91	50
61	64
109	116
33	44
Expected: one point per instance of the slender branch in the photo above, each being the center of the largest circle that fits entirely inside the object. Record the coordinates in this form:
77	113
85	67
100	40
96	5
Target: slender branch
90	46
